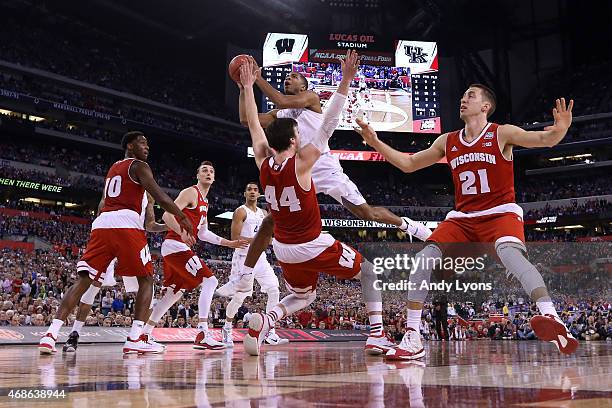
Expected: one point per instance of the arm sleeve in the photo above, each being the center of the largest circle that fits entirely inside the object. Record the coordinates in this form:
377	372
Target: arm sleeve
331	118
206	235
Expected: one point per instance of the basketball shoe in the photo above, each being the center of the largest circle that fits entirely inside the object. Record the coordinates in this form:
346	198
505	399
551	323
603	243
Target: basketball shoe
259	326
47	344
550	328
410	347
416	229
142	345
72	343
377	345
274	339
204	341
226	336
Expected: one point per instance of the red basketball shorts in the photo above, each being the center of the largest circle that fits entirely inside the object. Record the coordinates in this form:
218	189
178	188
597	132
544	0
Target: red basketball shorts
339	260
128	245
494	228
184	270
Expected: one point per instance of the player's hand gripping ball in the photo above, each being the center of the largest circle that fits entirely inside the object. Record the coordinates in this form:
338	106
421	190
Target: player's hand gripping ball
234	66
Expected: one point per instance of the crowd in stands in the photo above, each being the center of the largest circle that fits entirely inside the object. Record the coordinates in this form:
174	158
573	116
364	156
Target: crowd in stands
110	63
32	284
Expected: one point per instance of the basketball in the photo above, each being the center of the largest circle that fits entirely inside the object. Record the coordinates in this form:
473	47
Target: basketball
234	66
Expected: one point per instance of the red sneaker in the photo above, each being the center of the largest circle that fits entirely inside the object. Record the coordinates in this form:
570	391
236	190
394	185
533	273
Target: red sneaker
549	328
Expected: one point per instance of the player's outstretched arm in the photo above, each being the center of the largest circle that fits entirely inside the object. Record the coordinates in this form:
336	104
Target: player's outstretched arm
549	137
207	235
310	153
303	100
404	162
258	137
150	224
264	118
144	176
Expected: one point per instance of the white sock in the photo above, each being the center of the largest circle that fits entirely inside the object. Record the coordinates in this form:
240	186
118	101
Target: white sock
207	291
273	298
148	329
55	327
136	330
413	319
376	320
246	269
77	326
289	305
228	324
232	307
404	225
546	307
203	326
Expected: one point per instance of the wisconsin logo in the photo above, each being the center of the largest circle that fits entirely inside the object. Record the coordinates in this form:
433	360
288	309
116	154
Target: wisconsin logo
284	45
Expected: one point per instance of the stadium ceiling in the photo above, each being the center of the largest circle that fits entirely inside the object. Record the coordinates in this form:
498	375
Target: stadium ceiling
211	24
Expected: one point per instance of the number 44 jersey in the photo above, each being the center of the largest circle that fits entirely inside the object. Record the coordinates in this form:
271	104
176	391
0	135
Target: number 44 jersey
300	247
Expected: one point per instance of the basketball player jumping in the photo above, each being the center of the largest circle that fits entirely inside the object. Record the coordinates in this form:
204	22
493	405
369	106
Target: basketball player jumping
130	283
118	232
301	248
245	223
183	269
480	158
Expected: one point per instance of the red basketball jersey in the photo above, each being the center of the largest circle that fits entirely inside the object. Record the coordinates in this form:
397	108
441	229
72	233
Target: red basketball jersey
295	211
196	215
121	192
482	176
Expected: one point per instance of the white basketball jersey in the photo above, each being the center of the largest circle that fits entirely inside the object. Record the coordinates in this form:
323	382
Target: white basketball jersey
309	123
250	226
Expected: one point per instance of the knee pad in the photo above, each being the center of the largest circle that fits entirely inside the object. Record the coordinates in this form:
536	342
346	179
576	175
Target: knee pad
512	256
90	295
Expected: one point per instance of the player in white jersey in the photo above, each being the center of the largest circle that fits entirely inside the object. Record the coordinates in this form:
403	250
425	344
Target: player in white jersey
304	105
245	223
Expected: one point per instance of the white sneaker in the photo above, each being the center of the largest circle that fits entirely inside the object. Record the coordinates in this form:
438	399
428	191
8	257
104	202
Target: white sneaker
410	347
141	346
274	339
378	345
418	230
227	290
204	341
47	344
154	340
226	334
259	326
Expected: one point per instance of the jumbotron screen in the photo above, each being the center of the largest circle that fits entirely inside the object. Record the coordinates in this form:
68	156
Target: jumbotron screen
395	89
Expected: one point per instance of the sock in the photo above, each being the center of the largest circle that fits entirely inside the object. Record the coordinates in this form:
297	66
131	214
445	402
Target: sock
203	326
233	306
161	307
206	294
546	307
404	225
77	326
55	327
246	270
289	305
273	297
376	320
413	319
136	330
228	324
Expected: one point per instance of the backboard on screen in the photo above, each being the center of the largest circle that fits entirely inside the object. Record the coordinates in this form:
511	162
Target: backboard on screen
395	89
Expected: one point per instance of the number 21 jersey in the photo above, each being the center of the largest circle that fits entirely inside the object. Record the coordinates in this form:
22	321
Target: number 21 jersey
482	176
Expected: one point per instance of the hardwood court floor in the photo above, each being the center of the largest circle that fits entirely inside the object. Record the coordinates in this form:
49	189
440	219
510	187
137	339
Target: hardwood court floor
464	374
